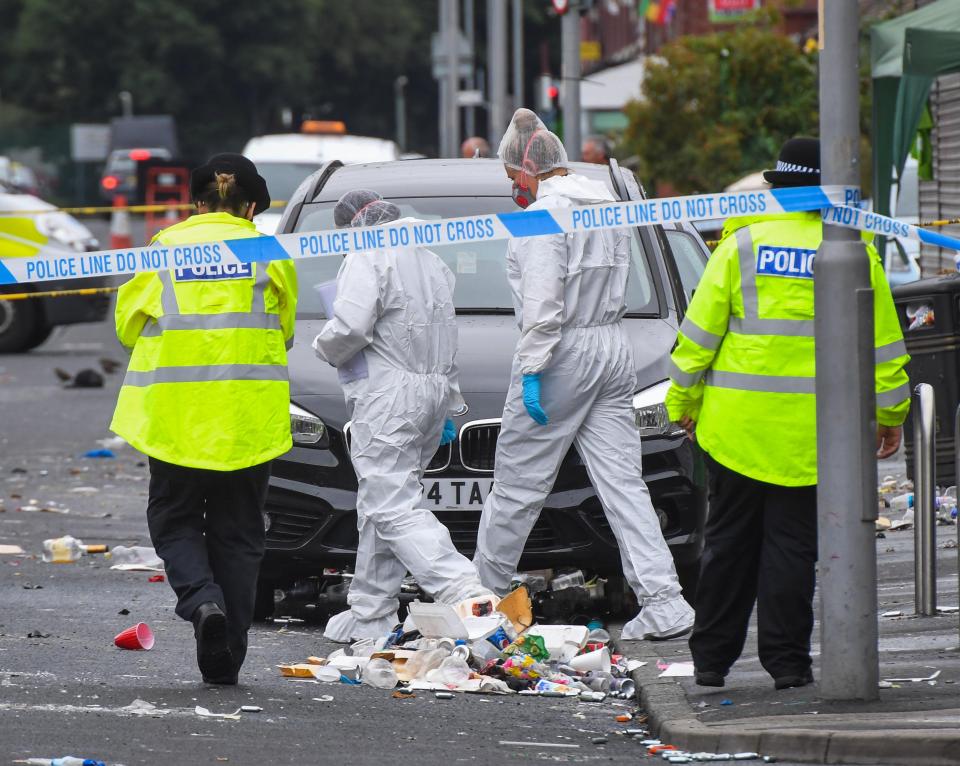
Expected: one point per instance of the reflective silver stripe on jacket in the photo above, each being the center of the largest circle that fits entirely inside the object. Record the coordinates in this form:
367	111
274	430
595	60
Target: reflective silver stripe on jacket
256	319
235	320
894	396
748	273
891	351
794	328
211	373
771	384
685	379
698	335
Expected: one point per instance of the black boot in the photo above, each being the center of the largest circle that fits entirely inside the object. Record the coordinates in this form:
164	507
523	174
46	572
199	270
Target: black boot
213	652
793	682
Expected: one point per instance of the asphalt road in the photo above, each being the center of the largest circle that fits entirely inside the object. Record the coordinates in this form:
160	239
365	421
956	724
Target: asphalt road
65	690
64	693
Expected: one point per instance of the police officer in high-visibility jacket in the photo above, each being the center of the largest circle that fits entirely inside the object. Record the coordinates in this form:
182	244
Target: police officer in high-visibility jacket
743	375
206	397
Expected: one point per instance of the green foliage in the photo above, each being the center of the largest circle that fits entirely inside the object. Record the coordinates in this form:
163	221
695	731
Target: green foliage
718	107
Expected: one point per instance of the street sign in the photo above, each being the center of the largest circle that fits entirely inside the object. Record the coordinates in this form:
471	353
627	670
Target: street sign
727	11
89	142
438	56
470	98
561	6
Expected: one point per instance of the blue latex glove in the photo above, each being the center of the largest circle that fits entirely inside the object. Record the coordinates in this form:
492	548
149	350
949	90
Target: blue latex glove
531	398
449	433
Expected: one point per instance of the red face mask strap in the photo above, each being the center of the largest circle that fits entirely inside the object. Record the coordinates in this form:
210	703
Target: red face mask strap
526	159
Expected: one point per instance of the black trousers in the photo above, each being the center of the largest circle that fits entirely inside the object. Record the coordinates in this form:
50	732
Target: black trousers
760	545
207	526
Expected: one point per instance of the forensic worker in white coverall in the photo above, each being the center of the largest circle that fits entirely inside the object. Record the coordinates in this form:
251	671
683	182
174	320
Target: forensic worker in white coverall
573	382
396	307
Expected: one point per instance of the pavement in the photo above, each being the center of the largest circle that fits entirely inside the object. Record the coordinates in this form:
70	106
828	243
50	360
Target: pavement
916	723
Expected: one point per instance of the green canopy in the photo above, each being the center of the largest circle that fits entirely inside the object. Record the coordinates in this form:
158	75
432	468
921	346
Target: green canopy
906	55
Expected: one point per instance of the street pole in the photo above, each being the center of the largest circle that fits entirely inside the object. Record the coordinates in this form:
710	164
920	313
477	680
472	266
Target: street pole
570	73
846	399
400	110
517	8
450	110
469	31
497	66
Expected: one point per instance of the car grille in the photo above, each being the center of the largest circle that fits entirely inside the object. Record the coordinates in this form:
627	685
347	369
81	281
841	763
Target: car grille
478	445
463	527
289	526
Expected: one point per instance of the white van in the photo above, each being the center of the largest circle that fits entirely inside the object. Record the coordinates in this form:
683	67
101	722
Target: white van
286	159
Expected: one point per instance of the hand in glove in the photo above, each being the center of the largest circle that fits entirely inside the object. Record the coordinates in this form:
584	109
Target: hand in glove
531	398
449	433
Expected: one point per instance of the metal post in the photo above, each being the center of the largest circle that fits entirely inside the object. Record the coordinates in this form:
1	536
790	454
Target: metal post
924	501
126	103
517	8
846	399
400	110
450	33
570	72
469	31
956	479
497	66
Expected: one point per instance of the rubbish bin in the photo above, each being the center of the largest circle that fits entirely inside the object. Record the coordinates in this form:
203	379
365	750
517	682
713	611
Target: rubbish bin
929	312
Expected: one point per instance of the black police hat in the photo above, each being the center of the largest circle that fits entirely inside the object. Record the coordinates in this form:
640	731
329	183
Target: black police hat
251	182
797	165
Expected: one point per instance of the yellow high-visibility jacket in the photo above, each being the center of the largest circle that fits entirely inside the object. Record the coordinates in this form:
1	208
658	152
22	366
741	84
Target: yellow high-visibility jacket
207	384
744	364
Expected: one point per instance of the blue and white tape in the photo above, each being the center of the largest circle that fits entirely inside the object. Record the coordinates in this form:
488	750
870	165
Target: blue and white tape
837	204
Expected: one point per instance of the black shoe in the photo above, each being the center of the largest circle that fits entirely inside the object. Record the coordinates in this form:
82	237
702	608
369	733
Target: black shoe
708	678
213	653
223	681
793	682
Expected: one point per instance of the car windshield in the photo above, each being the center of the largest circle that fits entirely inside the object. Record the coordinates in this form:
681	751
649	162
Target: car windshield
283	178
480	267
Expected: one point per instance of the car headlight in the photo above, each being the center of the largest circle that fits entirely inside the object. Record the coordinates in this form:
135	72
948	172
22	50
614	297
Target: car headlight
306	428
651	412
64	230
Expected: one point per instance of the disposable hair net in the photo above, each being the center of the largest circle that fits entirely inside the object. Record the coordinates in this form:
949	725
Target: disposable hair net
350	204
375	213
529	146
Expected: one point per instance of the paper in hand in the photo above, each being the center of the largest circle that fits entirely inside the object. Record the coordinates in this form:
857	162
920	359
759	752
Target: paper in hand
354	368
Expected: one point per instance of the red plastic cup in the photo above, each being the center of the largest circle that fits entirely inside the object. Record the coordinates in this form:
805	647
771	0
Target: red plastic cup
139	637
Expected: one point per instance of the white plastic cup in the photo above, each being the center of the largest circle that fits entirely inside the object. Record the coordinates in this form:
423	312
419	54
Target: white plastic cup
598	660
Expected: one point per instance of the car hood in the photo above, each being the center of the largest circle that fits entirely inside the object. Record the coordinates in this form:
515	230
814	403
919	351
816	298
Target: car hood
485	357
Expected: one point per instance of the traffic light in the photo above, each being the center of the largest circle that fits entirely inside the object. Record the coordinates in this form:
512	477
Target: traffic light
548	94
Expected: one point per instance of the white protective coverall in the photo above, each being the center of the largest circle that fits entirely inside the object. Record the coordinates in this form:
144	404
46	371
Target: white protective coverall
569	296
397	306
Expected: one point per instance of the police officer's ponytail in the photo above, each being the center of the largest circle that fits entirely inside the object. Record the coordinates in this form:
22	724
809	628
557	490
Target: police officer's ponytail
223	193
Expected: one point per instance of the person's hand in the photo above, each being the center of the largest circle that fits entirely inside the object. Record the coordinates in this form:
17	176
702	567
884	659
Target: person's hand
449	432
531	398
689	425
888	440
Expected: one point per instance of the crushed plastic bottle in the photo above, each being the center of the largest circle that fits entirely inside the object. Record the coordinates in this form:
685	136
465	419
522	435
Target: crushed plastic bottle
453	671
67	760
424	661
137	554
380	674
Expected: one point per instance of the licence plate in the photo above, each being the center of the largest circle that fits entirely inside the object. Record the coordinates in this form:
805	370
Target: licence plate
456	494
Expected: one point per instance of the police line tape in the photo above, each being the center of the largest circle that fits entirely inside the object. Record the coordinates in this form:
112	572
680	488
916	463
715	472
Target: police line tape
232	257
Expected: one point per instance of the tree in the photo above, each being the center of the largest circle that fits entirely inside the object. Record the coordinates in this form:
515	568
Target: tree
717	107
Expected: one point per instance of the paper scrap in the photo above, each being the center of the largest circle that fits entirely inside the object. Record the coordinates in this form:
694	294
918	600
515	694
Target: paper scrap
634	664
234	716
678	670
10	550
933	677
142	707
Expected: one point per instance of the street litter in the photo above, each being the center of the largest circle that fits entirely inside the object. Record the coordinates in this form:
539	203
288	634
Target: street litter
86	378
67	760
137	637
99	453
678	670
49	507
234	716
37	634
894	613
85	490
156	578
476	647
139	558
112	442
10	550
68	549
142	707
324	698
948	609
932	677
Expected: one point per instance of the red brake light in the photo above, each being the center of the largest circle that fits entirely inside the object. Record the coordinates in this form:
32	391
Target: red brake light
138	155
110	183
